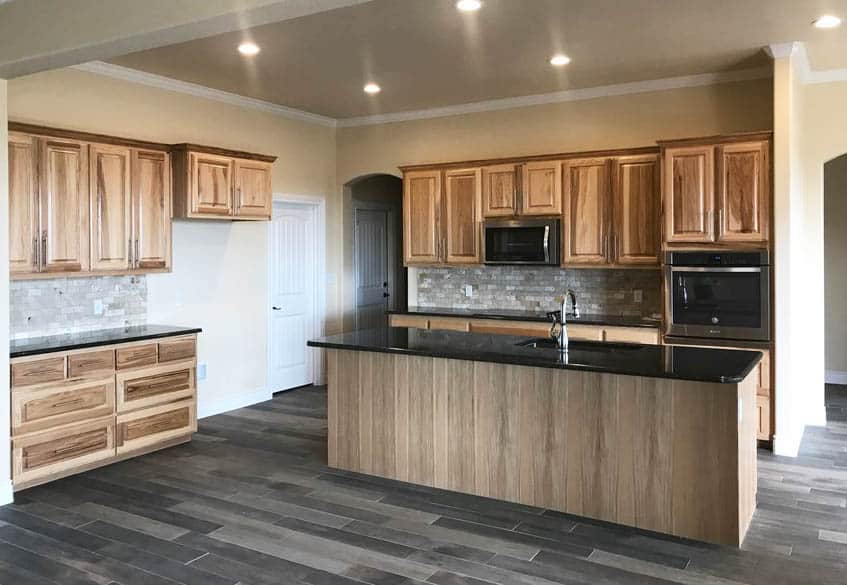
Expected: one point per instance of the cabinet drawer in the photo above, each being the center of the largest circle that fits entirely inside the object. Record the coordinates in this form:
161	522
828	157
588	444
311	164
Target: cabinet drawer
408	321
173	350
49	455
91	362
521	328
136	356
38	371
144	428
643	335
585	333
449	324
150	386
43	408
763	413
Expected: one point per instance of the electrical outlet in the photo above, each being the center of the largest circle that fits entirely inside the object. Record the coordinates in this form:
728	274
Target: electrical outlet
201	371
468	290
637	296
98	307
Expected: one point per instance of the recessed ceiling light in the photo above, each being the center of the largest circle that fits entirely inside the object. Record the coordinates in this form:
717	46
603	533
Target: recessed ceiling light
468	5
249	49
559	60
827	21
372	88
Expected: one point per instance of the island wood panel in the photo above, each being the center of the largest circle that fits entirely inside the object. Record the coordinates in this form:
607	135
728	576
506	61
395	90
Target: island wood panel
151	209
111	235
500	190
587	210
23	204
462	200
632	450
542	188
637	208
743	192
422	217
689	194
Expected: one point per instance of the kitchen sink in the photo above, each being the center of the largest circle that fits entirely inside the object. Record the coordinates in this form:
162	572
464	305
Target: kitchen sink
598	346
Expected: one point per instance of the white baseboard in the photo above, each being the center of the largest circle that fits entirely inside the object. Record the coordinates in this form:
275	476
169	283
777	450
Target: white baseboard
212	407
836	377
786	444
818	417
7	494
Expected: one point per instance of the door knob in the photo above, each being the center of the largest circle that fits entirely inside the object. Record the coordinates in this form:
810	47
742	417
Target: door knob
277	308
386	295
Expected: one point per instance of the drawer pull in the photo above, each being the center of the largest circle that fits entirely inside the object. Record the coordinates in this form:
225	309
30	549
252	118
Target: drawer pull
70	402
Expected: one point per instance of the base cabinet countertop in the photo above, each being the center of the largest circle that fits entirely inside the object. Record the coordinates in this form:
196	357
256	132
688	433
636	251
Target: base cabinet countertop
80	401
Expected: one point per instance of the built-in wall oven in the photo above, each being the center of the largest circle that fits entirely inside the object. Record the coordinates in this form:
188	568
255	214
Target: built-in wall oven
721	295
521	241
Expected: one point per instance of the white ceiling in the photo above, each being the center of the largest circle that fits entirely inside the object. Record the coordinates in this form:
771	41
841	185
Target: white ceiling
426	54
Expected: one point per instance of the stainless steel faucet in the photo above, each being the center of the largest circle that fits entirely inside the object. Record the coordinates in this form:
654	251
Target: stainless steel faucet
560	318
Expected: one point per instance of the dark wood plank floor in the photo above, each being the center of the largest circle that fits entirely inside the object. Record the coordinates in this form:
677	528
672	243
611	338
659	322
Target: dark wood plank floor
251	501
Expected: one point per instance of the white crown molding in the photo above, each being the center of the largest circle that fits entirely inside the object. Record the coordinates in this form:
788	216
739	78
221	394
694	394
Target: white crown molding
569	95
807	75
175	85
782	50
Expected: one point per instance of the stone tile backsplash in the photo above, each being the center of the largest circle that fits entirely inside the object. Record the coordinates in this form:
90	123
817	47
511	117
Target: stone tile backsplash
68	305
598	291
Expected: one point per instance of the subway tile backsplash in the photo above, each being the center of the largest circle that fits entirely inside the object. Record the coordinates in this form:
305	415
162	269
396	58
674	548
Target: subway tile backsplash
69	305
599	291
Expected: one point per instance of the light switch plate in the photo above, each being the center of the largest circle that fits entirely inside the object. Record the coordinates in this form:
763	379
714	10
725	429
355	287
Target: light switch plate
201	371
637	296
468	290
98	307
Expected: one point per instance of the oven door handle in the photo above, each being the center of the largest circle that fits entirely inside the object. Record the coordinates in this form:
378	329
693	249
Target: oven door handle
724	269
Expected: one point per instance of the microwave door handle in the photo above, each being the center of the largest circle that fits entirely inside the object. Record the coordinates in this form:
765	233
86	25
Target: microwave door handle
547	244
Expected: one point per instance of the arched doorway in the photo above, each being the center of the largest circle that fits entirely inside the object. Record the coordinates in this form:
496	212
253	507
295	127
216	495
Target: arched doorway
835	269
377	275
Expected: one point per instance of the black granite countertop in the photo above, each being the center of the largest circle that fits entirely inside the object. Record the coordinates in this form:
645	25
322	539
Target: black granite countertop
653	361
66	342
508	314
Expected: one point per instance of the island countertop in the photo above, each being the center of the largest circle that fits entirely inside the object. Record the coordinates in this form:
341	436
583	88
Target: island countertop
538	316
682	363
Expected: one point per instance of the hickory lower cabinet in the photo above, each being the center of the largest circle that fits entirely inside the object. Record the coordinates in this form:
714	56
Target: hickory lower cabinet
72	411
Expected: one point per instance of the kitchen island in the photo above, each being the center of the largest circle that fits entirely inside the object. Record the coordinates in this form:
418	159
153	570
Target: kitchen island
660	438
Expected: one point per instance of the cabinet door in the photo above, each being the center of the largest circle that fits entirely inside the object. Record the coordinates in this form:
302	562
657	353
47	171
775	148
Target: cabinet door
211	184
743	192
542	188
422	217
64	197
499	191
637	236
23	204
111	238
689	194
151	209
587	212
253	192
461	202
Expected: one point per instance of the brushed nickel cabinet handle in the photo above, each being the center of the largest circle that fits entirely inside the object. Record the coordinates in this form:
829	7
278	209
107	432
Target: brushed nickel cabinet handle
35	255
129	252
43	248
136	256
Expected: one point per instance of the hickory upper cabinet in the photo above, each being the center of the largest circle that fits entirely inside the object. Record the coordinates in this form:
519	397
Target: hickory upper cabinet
587	214
422	239
151	210
111	216
462	227
212	183
636	206
24	232
541	192
500	190
717	191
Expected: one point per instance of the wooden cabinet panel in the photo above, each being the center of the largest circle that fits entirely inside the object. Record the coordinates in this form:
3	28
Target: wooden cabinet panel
86	363
422	241
689	194
637	236
542	188
41	408
180	348
587	210
462	193
585	332
763	418
411	321
42	456
645	335
111	238
523	328
253	191
23	204
136	356
38	371
64	198
743	192
144	428
155	385
210	184
449	324
499	191
151	209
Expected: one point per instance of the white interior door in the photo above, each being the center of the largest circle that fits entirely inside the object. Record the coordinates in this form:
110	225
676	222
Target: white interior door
293	277
372	267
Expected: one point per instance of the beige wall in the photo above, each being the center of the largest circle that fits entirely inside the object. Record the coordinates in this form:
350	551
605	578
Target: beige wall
5	465
219	278
602	123
835	265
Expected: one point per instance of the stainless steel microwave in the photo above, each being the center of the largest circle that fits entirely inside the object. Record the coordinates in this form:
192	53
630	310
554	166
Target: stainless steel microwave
521	241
